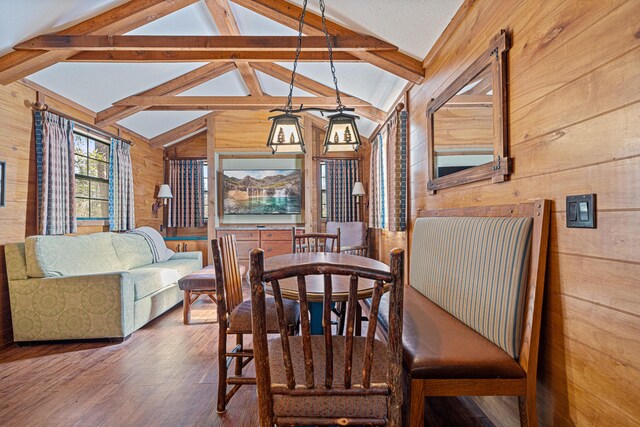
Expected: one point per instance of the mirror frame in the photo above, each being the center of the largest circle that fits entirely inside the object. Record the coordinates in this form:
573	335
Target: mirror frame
498	169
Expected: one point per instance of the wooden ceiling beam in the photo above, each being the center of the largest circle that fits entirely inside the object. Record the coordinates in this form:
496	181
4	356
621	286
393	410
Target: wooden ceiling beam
172	87
119	20
225	21
288	14
220	102
301	82
180	132
216	43
206	56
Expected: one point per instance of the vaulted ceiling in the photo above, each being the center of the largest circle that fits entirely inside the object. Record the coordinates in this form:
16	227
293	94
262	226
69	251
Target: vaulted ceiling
412	26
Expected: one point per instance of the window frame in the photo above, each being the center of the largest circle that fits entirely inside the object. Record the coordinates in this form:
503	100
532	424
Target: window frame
322	188
205	191
86	134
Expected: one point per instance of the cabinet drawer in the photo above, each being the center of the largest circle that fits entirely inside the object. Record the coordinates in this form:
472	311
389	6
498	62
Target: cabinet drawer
245	247
240	234
276	247
275	235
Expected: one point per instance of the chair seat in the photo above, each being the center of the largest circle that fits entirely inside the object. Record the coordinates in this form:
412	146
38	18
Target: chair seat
437	345
328	406
240	318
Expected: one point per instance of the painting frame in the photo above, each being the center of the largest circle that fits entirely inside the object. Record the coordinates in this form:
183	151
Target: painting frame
3	183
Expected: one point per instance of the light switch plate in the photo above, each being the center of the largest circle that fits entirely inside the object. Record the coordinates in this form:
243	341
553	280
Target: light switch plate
581	211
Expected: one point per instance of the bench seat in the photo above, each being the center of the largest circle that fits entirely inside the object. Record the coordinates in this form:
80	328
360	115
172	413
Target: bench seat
437	345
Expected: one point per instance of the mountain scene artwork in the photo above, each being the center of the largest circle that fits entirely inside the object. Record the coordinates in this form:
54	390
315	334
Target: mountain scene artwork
262	192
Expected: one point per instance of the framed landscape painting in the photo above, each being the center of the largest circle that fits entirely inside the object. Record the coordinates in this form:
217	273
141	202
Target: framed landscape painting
262	192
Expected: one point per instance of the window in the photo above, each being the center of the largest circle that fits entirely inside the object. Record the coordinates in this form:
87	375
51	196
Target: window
205	186
92	176
323	189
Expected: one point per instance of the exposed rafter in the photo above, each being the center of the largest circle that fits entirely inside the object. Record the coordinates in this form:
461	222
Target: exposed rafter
226	23
174	86
180	132
288	14
281	73
119	20
207	56
236	102
214	43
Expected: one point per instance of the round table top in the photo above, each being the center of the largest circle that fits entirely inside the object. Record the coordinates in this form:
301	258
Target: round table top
315	283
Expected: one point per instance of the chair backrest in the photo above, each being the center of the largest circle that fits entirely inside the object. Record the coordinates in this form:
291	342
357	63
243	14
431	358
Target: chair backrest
315	242
354	236
392	281
228	277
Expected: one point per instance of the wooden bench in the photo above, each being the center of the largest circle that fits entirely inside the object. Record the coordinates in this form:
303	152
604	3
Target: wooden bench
471	318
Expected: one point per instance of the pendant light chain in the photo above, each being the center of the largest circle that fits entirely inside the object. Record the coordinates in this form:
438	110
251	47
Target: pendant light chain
298	49
333	68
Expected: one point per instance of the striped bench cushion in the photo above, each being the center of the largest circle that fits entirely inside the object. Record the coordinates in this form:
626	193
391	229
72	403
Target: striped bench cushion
475	268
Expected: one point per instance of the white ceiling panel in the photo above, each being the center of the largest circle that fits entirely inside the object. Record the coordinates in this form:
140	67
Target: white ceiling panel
228	84
154	123
365	81
98	85
276	87
412	25
21	20
194	20
254	24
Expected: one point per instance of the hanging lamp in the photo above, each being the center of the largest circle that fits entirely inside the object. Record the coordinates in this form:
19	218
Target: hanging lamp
286	132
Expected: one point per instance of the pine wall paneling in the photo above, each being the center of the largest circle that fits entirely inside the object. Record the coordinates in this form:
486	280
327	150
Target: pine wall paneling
17	148
574	127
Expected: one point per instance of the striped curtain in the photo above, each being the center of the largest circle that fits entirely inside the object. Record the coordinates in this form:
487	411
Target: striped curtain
378	187
186	209
55	174
397	172
121	202
341	175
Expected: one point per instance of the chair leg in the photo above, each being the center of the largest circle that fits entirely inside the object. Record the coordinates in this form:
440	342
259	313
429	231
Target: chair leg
186	307
222	370
527	408
415	405
239	361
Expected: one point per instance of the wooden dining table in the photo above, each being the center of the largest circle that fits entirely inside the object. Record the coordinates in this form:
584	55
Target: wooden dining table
315	283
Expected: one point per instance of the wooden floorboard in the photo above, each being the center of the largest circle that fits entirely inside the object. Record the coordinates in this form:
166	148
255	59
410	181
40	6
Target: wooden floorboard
164	375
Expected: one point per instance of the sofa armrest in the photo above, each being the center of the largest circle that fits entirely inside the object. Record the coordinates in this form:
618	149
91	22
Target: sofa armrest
72	307
188	255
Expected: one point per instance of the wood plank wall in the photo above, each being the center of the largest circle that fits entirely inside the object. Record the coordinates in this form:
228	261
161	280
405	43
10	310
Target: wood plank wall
574	127
17	148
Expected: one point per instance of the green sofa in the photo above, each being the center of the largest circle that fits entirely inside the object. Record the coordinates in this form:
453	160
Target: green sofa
102	285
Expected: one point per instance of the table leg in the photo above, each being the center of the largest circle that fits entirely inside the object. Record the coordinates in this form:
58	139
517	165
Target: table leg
315	309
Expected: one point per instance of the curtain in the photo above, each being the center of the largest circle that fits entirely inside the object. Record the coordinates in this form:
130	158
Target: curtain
186	209
388	176
55	174
341	175
121	202
397	172
377	183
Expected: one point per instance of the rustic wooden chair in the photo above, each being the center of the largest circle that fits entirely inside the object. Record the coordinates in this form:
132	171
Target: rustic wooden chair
234	318
354	237
315	242
308	379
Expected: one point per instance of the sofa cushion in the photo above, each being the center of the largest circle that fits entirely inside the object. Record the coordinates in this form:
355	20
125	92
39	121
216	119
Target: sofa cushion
132	250
475	268
153	277
328	406
437	345
49	256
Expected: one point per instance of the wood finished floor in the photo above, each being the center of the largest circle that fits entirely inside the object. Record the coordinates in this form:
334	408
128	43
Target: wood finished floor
164	375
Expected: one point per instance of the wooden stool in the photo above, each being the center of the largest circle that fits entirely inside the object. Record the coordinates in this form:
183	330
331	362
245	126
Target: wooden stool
202	282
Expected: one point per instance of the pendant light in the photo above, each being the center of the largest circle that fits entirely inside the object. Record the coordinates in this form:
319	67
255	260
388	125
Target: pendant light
286	132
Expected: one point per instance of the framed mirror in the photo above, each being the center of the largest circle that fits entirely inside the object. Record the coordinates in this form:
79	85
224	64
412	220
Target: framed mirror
467	123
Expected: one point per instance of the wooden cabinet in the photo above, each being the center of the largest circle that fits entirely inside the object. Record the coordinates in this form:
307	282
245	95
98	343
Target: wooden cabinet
190	245
272	241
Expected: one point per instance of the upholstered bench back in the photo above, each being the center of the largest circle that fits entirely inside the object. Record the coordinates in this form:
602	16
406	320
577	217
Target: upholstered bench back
475	268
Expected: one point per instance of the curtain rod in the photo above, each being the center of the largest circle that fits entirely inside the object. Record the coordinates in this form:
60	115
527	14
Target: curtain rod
39	106
337	157
399	107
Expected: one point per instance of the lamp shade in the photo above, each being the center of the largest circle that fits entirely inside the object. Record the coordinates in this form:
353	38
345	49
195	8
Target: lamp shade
342	133
286	134
165	192
358	189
